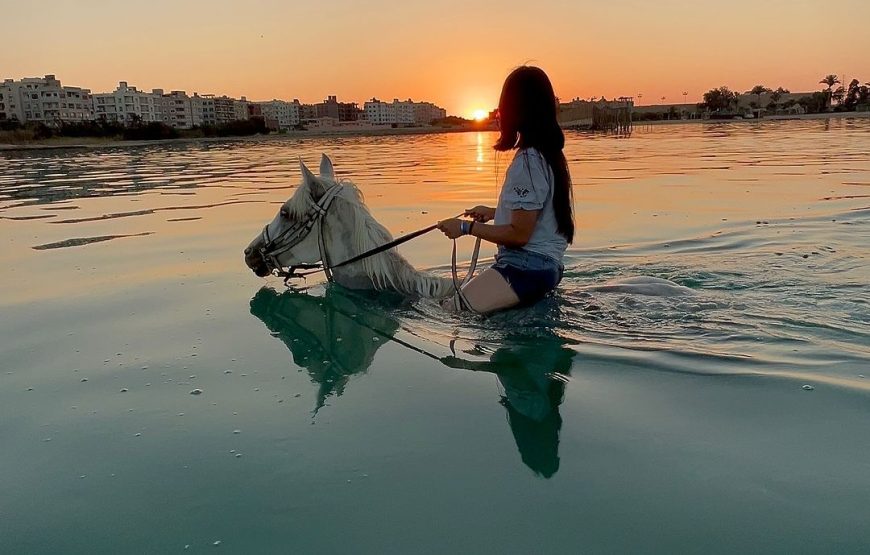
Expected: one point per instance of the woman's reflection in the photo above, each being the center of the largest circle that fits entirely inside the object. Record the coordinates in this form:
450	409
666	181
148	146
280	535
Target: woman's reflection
533	377
337	335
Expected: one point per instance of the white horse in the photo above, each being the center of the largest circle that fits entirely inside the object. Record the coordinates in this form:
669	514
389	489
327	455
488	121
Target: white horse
326	221
327	218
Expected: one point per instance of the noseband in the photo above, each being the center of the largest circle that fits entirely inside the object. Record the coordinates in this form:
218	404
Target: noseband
295	234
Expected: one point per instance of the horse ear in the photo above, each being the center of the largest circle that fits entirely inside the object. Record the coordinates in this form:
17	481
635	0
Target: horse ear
307	176
310	180
326	169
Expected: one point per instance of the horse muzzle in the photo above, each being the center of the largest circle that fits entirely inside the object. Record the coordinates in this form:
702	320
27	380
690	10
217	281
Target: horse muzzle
255	261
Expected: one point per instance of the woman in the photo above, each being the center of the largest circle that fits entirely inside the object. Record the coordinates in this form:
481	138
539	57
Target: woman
534	220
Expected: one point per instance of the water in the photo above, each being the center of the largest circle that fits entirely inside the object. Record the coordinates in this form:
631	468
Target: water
332	422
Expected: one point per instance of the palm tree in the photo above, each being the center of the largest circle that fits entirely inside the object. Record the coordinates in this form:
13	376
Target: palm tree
734	99
830	81
774	99
758	90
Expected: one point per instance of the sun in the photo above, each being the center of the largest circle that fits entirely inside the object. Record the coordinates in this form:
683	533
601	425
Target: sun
479	115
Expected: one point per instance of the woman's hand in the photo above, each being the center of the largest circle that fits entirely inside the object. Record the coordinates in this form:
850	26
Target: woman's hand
452	227
481	213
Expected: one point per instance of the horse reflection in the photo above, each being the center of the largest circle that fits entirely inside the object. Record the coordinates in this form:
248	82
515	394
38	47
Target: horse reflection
337	335
333	337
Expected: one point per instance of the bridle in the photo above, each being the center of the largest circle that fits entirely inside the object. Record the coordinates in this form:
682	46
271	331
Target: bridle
295	234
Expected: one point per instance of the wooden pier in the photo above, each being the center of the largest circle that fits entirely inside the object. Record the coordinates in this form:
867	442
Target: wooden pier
600	115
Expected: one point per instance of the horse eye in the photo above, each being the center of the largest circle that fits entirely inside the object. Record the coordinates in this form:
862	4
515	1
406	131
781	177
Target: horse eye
285	213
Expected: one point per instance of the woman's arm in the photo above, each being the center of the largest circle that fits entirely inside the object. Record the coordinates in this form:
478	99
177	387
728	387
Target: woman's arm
515	234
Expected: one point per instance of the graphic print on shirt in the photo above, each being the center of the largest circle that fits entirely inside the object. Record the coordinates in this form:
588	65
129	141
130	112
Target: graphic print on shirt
521	192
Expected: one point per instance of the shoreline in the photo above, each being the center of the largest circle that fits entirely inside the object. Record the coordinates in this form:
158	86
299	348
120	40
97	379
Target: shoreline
826	115
70	143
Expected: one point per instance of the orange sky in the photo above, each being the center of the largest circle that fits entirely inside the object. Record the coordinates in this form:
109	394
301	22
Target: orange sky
455	53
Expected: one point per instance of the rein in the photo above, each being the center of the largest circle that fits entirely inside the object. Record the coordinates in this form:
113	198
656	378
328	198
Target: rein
295	234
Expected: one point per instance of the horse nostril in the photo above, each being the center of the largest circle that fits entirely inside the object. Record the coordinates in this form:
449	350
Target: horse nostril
248	250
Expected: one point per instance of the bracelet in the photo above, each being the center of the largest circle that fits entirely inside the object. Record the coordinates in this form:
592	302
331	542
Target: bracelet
464	227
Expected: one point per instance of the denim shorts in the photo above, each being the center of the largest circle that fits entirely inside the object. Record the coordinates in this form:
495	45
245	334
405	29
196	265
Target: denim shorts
530	275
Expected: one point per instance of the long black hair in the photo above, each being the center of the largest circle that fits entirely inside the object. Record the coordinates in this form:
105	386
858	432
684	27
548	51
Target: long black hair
527	112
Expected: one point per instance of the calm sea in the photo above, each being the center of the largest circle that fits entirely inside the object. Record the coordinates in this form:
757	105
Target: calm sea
733	420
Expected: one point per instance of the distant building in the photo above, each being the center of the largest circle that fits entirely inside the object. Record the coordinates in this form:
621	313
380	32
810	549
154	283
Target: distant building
202	110
240	109
332	108
127	104
402	112
309	111
254	110
426	112
44	100
583	108
281	115
378	112
224	109
321	122
603	114
177	110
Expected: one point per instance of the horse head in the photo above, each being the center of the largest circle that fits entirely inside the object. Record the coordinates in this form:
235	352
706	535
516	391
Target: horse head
310	229
292	237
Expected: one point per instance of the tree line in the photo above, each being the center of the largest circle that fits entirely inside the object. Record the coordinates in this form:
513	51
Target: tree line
841	99
137	130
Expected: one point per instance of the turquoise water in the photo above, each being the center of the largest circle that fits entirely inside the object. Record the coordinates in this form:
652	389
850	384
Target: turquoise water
336	422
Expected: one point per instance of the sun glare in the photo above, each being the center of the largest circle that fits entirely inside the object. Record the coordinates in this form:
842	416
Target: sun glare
480	115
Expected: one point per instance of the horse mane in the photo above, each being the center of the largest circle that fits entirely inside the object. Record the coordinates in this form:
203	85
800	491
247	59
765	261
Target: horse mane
387	270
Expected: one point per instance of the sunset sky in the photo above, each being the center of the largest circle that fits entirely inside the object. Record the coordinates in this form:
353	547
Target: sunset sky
454	53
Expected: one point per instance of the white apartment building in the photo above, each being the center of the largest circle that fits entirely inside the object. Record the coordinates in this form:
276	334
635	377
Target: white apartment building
426	112
177	111
45	100
401	112
126	104
280	113
202	110
378	112
404	112
11	107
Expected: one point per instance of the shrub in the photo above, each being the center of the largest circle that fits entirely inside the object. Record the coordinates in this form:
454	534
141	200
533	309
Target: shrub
151	131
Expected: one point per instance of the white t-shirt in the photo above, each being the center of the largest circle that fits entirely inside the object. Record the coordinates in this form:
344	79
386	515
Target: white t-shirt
528	185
